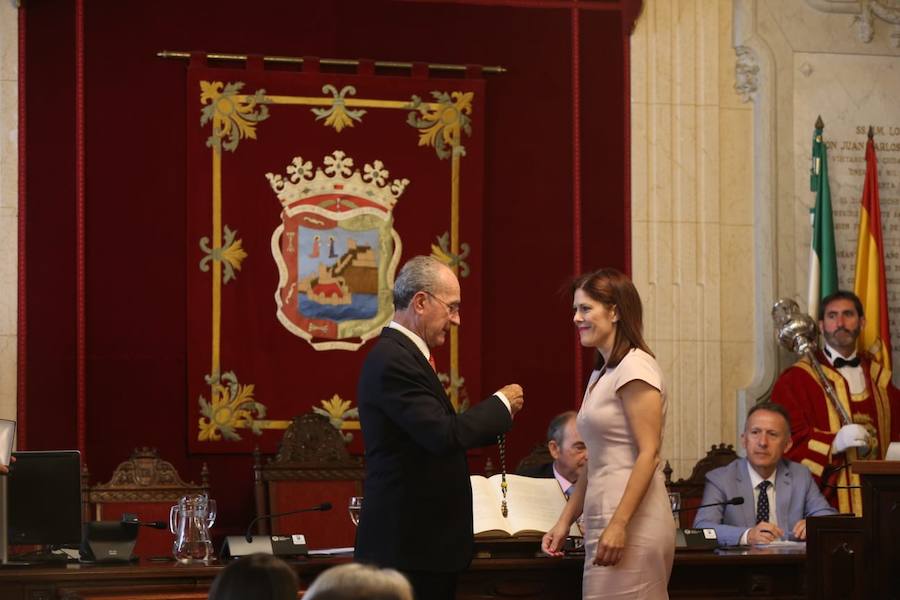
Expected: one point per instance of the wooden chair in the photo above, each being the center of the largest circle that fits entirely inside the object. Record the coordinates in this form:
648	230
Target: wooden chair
691	489
538	457
312	466
146	486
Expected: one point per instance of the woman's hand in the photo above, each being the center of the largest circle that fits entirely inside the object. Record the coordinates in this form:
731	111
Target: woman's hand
611	545
554	539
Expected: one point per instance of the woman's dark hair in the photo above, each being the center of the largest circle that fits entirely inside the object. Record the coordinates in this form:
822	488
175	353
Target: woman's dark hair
258	576
614	290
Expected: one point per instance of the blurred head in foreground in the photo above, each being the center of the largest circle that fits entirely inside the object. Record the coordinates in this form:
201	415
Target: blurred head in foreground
258	576
359	582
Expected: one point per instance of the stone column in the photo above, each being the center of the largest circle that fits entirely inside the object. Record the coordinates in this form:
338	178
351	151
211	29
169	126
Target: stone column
692	217
9	189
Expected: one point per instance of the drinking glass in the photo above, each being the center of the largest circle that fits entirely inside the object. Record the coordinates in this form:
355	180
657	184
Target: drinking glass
355	507
675	503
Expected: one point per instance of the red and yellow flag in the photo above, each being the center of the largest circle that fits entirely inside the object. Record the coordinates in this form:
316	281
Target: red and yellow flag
870	283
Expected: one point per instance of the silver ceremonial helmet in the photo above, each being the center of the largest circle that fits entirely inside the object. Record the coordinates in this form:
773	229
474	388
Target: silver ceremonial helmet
799	333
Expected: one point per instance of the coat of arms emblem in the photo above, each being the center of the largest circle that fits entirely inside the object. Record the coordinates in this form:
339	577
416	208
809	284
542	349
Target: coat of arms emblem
336	250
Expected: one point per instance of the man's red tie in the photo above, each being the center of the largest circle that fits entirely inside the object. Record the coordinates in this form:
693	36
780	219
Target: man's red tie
431	362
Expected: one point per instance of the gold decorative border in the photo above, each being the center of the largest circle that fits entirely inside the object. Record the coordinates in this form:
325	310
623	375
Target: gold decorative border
234	117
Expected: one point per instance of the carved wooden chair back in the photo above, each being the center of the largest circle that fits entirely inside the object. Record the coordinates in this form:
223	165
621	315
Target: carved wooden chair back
534	461
691	489
146	486
312	466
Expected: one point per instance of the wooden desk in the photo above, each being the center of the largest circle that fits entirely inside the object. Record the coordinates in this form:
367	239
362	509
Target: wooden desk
881	526
699	575
754	574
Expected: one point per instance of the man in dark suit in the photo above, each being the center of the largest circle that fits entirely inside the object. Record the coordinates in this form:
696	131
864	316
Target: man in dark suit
417	509
778	494
568	451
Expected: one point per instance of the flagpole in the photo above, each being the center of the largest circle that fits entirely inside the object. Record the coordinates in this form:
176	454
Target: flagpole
823	279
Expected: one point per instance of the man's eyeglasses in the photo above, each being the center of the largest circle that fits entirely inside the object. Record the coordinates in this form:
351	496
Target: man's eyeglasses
453	309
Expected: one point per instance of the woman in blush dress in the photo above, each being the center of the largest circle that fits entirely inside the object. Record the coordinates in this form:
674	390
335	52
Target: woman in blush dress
629	532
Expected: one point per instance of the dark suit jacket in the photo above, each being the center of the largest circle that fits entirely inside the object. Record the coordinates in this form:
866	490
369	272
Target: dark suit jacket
417	506
796	495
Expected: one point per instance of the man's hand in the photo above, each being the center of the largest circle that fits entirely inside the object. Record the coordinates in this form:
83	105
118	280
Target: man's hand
799	530
515	395
764	533
849	436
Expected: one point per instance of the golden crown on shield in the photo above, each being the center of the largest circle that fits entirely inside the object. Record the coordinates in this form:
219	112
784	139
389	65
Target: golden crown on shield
339	176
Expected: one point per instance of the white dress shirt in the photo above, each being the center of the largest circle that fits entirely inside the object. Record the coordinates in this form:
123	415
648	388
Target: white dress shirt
564	484
854	375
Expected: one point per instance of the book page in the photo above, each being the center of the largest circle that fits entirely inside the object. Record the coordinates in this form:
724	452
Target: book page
486	514
534	503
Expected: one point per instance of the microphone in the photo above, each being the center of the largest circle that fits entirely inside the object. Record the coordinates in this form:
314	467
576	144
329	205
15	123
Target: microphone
318	507
736	501
132	519
701	539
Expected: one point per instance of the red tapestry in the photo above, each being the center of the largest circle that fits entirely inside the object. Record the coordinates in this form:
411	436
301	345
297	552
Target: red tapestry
306	192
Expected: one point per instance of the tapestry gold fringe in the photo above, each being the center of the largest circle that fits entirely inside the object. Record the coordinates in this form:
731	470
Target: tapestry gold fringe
337	62
283	424
326	101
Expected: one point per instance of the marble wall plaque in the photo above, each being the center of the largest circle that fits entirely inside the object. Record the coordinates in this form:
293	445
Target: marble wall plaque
851	92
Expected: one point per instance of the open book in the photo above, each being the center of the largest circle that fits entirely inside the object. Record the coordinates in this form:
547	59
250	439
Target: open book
534	506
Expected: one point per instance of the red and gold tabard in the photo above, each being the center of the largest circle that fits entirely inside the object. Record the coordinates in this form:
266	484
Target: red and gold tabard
815	422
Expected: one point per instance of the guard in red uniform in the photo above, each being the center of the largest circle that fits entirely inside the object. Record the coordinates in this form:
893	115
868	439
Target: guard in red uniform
863	387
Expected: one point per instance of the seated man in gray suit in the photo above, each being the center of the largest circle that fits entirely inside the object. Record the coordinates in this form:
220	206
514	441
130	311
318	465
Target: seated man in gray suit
778	494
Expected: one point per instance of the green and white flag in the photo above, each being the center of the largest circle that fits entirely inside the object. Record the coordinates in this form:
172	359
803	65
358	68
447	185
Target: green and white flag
823	277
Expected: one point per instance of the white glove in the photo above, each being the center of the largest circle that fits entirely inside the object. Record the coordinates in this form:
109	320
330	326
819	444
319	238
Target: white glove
849	436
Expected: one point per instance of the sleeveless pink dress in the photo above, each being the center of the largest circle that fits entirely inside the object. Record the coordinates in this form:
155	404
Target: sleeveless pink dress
643	573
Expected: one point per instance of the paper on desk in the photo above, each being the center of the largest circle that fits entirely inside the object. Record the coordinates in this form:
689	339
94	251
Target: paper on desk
331	551
7	439
782	544
893	451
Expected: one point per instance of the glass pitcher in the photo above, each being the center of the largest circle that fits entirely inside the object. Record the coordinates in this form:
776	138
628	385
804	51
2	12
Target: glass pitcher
675	503
190	521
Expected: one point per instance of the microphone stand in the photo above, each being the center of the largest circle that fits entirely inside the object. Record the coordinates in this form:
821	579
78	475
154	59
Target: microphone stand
736	501
320	507
279	545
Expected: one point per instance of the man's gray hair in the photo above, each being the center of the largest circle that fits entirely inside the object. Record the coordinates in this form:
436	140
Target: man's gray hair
355	581
420	273
771	407
557	429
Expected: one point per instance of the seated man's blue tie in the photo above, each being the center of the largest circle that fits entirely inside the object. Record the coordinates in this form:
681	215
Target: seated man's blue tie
762	505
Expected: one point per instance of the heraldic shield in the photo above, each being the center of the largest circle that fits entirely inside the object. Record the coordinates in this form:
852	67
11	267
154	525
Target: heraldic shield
336	250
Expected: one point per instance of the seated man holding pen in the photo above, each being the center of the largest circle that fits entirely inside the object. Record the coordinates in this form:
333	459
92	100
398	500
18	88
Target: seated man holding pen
778	494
